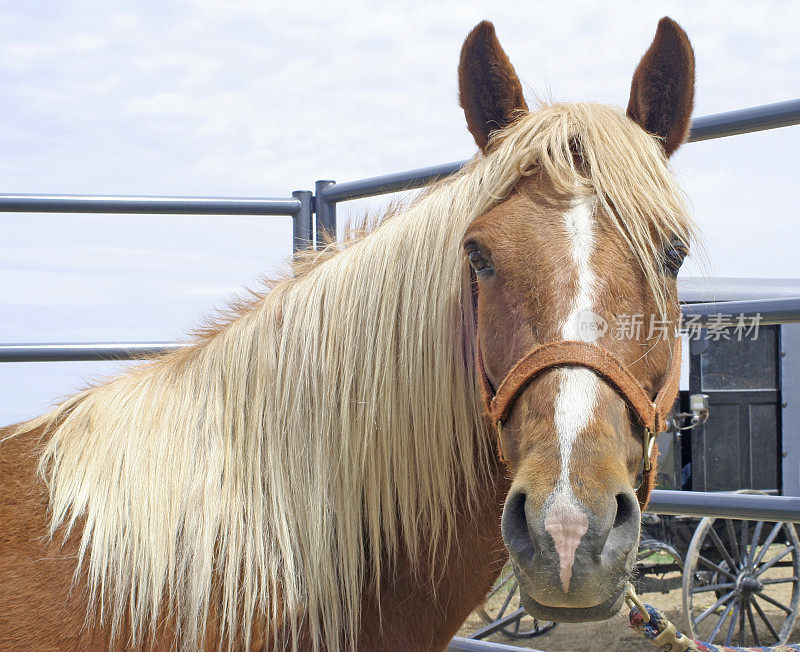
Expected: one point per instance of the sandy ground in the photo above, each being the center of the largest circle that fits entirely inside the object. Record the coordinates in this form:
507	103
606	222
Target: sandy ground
610	635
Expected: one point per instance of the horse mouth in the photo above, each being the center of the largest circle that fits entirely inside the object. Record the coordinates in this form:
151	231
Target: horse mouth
578	605
601	611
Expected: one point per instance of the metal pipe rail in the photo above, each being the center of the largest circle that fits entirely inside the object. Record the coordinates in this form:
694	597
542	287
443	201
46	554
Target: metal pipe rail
386	183
299	206
148	205
745	121
718	125
88	351
753	507
784	310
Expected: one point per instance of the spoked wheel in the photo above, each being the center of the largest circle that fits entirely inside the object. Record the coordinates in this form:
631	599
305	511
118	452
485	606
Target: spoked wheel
650	548
658	567
740	583
503	600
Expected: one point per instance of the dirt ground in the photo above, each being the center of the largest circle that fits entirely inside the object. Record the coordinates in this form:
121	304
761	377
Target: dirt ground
614	635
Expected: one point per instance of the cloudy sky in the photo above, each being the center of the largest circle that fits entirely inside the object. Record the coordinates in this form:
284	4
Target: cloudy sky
259	98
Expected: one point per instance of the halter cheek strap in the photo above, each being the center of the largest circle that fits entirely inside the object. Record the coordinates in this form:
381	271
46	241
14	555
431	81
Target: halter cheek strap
651	414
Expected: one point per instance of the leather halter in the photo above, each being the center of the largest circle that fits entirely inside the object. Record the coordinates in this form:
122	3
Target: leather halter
651	414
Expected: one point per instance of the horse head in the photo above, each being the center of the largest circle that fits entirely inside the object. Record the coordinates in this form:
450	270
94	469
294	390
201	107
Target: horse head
576	310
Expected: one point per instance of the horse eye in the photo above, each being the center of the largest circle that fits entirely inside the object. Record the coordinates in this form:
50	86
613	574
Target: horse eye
478	262
674	256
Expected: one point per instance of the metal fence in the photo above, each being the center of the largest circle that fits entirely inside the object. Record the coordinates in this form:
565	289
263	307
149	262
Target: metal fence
304	205
459	644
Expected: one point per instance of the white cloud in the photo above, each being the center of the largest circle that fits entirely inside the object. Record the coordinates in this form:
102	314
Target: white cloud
125	21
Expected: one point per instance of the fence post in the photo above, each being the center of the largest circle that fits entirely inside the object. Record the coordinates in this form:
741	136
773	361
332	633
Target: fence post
302	229
326	214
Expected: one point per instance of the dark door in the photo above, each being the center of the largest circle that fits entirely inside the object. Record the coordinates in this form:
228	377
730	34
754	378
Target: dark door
739	445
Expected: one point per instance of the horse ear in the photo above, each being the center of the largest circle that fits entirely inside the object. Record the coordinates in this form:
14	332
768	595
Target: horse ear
489	90
662	91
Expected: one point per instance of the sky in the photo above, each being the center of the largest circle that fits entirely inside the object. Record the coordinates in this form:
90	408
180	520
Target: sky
260	98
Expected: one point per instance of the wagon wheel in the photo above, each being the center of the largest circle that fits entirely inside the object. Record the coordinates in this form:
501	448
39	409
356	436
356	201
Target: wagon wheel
658	567
504	599
741	581
649	547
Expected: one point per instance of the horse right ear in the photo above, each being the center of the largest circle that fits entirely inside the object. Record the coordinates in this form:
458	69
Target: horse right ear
489	90
662	91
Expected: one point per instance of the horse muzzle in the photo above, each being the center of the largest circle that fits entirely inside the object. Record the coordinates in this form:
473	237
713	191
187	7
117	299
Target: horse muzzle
572	563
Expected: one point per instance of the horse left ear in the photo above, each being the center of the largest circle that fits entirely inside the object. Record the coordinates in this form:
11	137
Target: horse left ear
489	90
662	91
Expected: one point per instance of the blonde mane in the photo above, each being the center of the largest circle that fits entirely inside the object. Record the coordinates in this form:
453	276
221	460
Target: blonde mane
283	456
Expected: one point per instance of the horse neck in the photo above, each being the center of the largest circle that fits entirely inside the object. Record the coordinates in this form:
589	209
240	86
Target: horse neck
423	602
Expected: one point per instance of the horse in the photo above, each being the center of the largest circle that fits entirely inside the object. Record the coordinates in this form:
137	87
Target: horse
321	467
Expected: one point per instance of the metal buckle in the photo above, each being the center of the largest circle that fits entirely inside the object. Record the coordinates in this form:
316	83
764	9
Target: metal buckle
648	440
500	440
633	601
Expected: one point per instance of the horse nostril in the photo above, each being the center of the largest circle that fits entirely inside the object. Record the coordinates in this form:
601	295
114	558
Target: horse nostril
514	527
623	535
626	510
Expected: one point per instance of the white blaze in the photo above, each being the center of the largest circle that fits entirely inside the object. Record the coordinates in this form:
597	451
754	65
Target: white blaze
565	521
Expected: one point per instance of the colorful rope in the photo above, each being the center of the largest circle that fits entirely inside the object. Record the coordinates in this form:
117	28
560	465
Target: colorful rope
662	633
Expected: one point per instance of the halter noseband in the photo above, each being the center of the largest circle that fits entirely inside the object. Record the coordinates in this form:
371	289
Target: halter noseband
651	414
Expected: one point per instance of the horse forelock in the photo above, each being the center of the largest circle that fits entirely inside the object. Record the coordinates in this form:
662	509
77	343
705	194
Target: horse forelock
321	430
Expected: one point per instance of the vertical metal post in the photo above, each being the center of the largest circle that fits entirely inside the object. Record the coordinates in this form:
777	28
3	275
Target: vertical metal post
302	230
326	215
790	409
